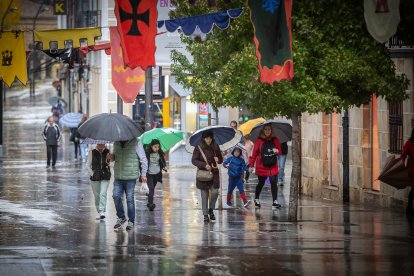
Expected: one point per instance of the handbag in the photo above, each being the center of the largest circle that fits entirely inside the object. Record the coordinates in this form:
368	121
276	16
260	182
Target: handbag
203	175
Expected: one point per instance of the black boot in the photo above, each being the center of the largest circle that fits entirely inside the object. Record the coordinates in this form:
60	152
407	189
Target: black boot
206	219
211	214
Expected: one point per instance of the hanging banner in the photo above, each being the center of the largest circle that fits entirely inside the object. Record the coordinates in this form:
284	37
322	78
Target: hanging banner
137	26
13	57
273	38
382	18
58	39
126	81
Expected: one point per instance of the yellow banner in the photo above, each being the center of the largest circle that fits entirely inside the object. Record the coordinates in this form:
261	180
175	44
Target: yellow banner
13	57
50	37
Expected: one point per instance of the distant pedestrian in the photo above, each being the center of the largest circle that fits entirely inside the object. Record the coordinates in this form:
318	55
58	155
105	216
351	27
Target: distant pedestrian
129	157
408	151
51	135
281	161
60	107
83	147
236	165
233	124
100	174
74	137
265	151
55	114
207	156
156	163
248	145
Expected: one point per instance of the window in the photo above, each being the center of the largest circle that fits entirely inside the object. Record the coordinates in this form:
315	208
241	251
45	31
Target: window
395	119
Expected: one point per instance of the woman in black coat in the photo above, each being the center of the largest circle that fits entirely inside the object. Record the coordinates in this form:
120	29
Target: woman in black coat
214	158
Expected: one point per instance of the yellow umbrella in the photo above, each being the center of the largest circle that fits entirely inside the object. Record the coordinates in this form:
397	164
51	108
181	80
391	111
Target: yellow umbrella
246	128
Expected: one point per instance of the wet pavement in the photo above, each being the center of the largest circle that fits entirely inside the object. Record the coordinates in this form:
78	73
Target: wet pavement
48	225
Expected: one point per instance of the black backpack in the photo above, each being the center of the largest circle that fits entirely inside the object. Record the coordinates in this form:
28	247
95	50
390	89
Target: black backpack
269	158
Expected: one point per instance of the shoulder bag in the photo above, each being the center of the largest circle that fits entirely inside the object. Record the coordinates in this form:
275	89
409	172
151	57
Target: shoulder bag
203	175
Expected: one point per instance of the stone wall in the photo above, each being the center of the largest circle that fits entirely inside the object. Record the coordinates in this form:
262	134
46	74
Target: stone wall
368	149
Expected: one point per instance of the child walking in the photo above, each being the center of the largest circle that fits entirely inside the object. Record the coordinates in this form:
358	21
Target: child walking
100	174
156	163
236	165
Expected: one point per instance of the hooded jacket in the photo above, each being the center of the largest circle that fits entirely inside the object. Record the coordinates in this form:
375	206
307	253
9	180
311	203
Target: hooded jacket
236	164
256	157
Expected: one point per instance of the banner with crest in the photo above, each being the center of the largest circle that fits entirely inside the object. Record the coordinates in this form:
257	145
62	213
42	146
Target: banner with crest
13	57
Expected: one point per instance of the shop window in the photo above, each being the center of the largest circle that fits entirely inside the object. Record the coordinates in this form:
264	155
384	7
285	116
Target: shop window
395	119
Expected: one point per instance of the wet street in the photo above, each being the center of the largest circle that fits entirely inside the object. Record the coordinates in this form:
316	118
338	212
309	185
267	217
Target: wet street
48	225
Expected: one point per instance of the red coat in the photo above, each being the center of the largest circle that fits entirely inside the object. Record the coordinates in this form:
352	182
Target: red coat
257	157
408	151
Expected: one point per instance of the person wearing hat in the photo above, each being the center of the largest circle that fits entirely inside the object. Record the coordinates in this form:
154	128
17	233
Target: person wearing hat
207	156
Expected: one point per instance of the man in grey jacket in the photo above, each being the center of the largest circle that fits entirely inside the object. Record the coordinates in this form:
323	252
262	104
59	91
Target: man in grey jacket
51	134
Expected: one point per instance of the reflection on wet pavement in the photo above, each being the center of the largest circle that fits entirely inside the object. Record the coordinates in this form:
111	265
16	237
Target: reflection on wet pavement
48	225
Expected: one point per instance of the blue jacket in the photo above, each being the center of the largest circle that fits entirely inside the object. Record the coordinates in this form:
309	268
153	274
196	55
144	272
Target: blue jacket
236	165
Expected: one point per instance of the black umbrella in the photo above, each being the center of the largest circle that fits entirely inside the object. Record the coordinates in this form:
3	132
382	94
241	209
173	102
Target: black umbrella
110	127
282	129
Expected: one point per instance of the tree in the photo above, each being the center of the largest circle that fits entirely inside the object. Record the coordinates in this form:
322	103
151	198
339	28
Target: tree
337	65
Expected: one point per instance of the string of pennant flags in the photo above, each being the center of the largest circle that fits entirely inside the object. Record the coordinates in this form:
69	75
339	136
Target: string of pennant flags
137	41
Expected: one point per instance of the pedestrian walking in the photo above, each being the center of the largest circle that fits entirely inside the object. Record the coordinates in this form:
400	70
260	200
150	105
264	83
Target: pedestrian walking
236	165
156	164
265	151
206	157
248	145
100	174
83	147
408	151
74	137
51	134
281	161
129	157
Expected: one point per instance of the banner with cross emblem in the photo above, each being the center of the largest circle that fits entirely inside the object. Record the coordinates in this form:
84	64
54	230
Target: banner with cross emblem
13	57
137	26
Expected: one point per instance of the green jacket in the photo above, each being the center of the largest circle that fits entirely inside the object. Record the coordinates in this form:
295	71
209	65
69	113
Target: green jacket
126	160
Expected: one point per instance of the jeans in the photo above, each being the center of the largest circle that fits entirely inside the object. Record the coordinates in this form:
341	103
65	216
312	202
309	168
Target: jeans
127	187
83	150
77	148
281	163
99	189
51	154
151	182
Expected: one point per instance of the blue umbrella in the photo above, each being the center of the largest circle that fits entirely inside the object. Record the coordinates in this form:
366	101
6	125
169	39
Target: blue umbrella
224	136
71	120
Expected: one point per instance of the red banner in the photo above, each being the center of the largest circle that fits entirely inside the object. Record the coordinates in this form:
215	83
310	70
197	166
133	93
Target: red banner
137	26
127	81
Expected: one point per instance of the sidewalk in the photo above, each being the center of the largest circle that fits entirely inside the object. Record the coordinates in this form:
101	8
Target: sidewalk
48	226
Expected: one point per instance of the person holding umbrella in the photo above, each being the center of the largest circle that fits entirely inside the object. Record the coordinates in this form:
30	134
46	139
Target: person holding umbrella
265	152
408	151
129	157
207	156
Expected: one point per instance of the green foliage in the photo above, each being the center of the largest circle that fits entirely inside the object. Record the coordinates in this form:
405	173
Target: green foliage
337	64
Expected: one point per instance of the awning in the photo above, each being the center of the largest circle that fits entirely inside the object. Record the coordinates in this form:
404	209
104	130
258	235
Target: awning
178	88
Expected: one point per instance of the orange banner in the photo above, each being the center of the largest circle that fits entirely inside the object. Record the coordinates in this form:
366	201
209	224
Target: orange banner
126	81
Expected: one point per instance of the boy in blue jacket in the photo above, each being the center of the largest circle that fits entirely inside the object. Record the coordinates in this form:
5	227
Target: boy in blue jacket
236	165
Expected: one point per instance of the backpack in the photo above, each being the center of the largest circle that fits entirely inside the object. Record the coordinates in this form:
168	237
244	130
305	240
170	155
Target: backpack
269	158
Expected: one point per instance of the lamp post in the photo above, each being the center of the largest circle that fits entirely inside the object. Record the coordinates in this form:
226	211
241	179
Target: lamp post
34	55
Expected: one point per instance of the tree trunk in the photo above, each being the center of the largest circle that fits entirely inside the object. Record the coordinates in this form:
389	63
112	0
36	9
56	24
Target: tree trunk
296	166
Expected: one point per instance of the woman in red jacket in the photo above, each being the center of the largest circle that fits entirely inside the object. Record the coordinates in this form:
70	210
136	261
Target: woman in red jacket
265	151
408	151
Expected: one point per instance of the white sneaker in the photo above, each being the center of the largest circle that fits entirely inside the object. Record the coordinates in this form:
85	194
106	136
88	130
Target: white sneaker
102	215
130	226
276	204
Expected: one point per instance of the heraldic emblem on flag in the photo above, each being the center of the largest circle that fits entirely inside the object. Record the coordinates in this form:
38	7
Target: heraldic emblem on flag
273	38
127	81
137	27
13	57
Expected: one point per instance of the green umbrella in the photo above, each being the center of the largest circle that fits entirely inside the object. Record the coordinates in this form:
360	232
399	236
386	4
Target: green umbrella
168	137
